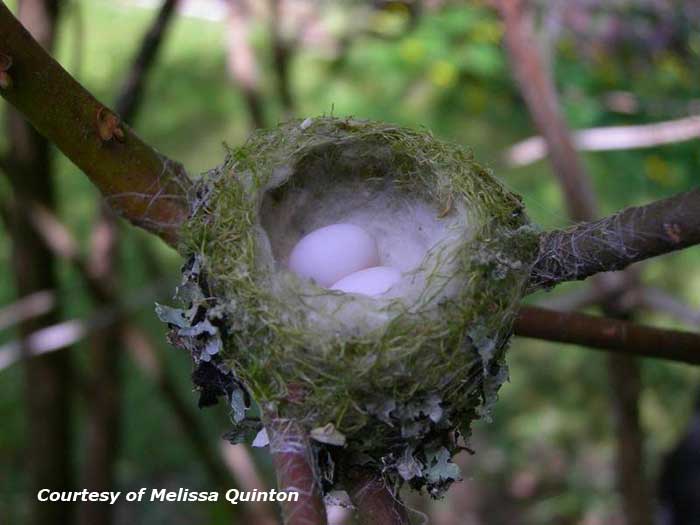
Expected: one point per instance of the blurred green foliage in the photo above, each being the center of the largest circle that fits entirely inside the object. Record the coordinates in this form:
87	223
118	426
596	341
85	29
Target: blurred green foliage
449	74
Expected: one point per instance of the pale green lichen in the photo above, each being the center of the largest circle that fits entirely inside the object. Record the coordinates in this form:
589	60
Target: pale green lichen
390	379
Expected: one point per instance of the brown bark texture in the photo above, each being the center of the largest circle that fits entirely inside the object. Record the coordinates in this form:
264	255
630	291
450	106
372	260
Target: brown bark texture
616	241
144	186
603	333
374	501
291	456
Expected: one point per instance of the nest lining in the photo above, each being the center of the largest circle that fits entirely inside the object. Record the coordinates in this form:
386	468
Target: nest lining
395	376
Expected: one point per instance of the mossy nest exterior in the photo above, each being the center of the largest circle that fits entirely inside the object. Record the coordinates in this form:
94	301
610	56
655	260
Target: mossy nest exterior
392	383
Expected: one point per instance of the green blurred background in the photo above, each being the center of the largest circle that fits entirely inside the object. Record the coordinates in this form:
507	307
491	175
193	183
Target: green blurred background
547	456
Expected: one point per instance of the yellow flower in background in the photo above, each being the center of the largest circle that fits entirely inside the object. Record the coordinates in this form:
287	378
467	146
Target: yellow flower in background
443	74
487	32
391	21
660	171
412	50
694	43
673	69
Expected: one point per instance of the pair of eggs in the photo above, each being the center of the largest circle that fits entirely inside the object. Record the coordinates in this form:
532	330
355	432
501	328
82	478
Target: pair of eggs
343	257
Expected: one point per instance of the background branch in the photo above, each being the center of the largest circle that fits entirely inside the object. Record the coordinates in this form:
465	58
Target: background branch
131	93
662	302
610	138
48	380
618	336
537	86
241	61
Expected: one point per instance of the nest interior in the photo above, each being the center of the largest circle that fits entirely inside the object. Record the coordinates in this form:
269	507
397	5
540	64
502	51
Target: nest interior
393	382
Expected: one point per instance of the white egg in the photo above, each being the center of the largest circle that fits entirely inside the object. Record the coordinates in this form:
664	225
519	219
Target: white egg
332	252
372	281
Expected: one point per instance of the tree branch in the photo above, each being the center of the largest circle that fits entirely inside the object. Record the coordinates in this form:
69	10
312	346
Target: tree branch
28	307
49	380
131	93
291	456
542	102
615	242
610	138
374	501
537	86
144	186
622	337
241	61
662	302
282	52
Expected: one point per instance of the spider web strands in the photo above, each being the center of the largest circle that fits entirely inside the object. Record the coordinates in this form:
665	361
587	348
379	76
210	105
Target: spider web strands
618	336
375	501
145	187
291	456
616	241
609	138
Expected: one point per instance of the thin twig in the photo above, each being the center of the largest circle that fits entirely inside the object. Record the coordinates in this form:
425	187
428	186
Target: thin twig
131	93
661	301
611	138
28	307
291	456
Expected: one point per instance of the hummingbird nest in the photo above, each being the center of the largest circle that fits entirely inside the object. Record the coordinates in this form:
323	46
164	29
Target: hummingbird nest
392	382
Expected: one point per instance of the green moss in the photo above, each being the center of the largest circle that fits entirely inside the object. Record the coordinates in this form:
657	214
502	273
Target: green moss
396	389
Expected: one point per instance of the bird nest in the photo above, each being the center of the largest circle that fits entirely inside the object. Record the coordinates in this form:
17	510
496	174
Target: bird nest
390	382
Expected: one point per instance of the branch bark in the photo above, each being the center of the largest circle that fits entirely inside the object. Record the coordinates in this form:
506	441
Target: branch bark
615	242
291	456
618	336
144	186
374	501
